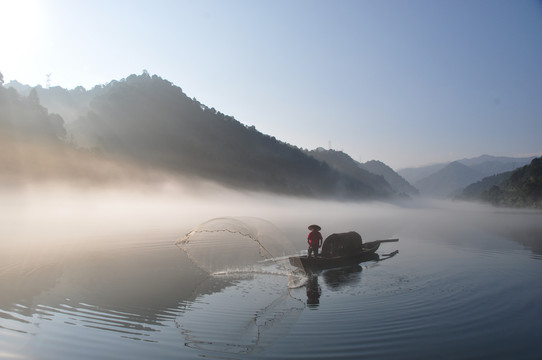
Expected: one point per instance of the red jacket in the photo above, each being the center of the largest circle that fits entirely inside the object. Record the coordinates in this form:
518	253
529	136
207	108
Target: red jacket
314	239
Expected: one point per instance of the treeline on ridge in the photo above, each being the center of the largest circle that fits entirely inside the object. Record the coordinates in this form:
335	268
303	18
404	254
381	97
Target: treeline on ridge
519	188
148	121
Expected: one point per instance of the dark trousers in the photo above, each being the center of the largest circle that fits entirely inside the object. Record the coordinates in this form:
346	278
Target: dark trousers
313	249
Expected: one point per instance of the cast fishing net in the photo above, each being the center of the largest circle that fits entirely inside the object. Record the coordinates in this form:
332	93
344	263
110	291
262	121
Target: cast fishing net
237	244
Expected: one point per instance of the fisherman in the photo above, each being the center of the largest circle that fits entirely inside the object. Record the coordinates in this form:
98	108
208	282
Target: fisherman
314	239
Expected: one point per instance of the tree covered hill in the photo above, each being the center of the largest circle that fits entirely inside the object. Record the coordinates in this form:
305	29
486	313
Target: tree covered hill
519	188
397	182
147	121
23	118
152	122
374	173
345	164
70	104
34	148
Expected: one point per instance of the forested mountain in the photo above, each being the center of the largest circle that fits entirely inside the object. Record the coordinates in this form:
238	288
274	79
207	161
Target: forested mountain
374	173
475	190
24	119
345	164
519	188
148	122
34	148
70	104
145	122
397	182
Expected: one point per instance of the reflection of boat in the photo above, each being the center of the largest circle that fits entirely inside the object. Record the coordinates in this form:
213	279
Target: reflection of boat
340	250
339	278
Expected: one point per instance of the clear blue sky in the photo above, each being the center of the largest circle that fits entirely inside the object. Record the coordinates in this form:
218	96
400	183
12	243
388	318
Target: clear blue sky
406	82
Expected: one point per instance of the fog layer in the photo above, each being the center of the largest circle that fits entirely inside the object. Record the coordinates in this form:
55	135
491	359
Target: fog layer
55	215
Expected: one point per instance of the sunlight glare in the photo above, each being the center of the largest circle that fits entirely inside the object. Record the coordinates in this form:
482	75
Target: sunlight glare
21	25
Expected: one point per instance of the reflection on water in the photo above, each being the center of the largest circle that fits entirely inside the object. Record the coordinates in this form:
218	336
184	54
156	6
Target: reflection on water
129	293
140	294
242	319
528	237
340	278
337	278
458	289
314	291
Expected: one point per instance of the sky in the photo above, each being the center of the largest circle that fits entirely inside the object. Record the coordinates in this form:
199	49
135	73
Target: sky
406	82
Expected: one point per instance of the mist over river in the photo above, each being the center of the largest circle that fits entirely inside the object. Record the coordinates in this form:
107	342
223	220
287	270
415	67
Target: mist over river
100	274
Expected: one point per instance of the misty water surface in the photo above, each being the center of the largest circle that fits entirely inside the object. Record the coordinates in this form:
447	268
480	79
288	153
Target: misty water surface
97	274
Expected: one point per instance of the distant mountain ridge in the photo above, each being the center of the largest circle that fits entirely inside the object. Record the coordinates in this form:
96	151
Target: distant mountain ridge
493	165
373	171
412	175
397	182
345	164
149	122
448	180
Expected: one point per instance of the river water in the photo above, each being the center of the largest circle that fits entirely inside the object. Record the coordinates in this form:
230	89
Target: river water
464	285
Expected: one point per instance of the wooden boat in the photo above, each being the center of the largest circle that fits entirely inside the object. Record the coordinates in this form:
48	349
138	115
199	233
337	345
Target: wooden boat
323	261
